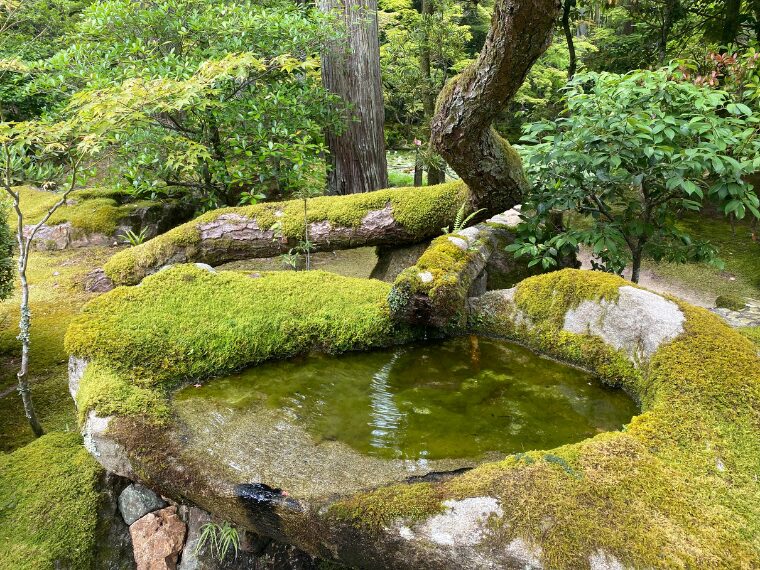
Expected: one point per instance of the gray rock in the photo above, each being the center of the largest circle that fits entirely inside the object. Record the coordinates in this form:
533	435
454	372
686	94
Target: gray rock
110	454
97	281
136	501
638	322
392	261
77	367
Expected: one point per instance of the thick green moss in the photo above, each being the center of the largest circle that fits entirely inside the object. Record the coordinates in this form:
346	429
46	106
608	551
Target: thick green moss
732	302
419	210
752	333
186	322
48	505
442	264
677	488
93	210
56	295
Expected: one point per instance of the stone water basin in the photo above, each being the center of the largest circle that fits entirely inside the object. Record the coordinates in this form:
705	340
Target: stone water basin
321	426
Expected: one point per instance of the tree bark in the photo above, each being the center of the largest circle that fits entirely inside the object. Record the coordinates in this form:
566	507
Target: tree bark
461	130
731	20
571	68
435	175
357	157
390	217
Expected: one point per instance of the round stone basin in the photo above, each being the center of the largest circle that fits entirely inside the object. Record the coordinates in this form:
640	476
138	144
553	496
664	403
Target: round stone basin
376	416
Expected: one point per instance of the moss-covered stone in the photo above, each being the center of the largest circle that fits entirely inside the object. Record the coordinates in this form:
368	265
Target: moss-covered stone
187	322
48	505
677	488
420	212
92	210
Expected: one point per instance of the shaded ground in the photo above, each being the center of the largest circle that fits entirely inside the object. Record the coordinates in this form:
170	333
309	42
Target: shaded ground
56	296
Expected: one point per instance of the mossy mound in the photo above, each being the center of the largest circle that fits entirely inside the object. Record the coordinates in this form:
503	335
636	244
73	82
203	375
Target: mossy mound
731	302
678	488
93	210
189	323
48	505
419	211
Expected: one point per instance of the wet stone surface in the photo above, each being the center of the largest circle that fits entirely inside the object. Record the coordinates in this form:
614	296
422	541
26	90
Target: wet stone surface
320	425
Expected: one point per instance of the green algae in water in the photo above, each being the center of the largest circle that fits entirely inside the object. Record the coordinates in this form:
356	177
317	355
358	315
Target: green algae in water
462	398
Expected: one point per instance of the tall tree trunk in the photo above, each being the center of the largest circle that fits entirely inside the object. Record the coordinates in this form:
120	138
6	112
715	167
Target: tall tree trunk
461	130
731	20
358	155
756	12
668	16
435	175
571	68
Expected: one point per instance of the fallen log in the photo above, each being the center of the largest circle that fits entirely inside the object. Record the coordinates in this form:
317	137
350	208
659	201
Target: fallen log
385	217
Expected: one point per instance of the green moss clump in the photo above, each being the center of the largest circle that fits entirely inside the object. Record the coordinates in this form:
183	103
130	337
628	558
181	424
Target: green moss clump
186	322
411	502
731	302
445	287
48	505
93	210
546	299
418	210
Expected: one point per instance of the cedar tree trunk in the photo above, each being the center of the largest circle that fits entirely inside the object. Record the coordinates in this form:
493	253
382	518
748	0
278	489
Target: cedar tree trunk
352	71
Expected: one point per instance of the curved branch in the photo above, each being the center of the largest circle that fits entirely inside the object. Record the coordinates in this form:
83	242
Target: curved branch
520	32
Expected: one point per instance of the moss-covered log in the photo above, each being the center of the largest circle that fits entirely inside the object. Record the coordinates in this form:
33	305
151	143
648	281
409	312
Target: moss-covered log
392	217
467	106
435	290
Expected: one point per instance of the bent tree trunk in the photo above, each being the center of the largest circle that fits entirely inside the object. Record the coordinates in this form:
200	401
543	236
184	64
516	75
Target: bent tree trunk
351	70
461	130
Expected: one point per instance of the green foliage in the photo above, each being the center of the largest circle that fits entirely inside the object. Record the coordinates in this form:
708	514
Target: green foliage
48	504
133	238
633	151
461	221
220	538
30	30
256	131
408	36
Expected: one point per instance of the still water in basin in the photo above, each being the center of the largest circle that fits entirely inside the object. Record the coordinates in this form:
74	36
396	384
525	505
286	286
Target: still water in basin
461	398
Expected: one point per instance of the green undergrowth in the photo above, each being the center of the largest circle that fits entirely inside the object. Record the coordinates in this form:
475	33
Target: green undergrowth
92	210
56	295
188	323
679	487
48	505
740	276
416	209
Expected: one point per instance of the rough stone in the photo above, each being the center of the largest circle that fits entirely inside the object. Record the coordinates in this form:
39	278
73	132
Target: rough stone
392	261
77	367
463	522
106	451
97	281
136	501
601	560
157	539
638	322
113	545
511	218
